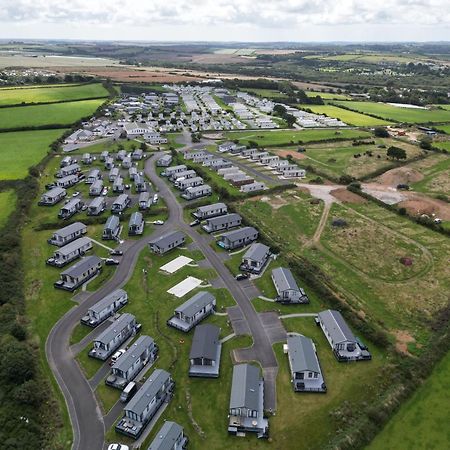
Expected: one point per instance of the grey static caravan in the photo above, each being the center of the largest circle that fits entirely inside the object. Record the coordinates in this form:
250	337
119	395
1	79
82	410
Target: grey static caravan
87	158
184	174
139	411
164	161
248	153
233	174
70	208
194	154
169	171
287	167
68	234
93	176
145	201
96	188
126	162
220	164
68	170
232	169
237	149
137	154
105	308
269	159
237	238
170	436
167	242
140	184
255	258
120	203
111	230
226	147
136	224
279	163
287	288
67	182
113	337
142	352
104	155
79	273
183	184
241	180
224	222
121	154
252	187
203	157
96	207
204	357
71	251
258	155
66	161
109	163
52	197
118	186
193	311
208	211
192	193
132	173
295	173
113	174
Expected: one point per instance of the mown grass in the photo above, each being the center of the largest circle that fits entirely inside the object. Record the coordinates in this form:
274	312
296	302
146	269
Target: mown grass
422	422
21	150
285	137
7	205
46	115
389	112
348	117
52	94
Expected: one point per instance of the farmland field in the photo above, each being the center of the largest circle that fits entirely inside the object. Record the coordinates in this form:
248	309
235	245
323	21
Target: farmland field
285	137
388	112
422	422
328	95
21	150
46	115
444	128
7	205
51	94
269	93
349	117
442	145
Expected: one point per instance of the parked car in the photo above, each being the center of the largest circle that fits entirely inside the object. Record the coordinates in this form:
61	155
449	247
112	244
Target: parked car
155	198
241	276
50	186
158	222
194	223
127	186
84	207
111	262
116	252
75	194
118	447
105	191
116	356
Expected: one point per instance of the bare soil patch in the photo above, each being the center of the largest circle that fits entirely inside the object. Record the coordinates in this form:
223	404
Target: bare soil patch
418	205
401	175
346	196
403	339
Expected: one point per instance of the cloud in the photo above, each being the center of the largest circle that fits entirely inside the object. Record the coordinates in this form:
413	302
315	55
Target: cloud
262	13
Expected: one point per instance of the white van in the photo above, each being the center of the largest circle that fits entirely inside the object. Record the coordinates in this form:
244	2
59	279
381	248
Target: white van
128	392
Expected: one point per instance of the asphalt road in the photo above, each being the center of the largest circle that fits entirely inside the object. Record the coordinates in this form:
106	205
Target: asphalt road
85	414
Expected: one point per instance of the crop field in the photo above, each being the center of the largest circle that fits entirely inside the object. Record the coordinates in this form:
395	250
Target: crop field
328	95
21	150
46	115
286	137
335	159
349	117
51	94
7	205
398	114
422	422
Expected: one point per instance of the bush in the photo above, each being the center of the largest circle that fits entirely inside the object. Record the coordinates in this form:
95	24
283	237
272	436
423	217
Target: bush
381	132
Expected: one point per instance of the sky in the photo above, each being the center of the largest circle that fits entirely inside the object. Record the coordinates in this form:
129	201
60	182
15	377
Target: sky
227	20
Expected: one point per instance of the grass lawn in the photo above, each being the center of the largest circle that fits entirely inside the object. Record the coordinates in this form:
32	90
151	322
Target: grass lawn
442	145
268	93
422	422
285	137
107	396
444	128
52	94
319	423
79	332
111	146
398	114
7	205
43	115
348	117
328	95
21	150
89	365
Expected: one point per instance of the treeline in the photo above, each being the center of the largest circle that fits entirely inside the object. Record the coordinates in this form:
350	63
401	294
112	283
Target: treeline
14	80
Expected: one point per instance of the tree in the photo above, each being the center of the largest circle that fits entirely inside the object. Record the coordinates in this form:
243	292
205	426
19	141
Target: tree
381	132
290	120
17	365
143	146
425	143
396	153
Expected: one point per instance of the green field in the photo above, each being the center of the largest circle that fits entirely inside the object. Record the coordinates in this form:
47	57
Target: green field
398	114
442	145
7	205
21	150
349	117
444	128
268	93
52	94
422	422
46	115
286	137
328	95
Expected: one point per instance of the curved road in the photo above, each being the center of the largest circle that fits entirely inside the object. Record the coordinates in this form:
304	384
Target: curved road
84	411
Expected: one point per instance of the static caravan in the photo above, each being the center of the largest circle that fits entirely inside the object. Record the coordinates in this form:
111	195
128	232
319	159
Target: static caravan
87	158
137	154
70	208
96	188
121	154
169	171
140	184
126	162
204	357
105	308
269	159
226	147
252	187
220	164
241	180
287	288
136	224
121	203
132	173
224	222
67	182
104	155
96	207
68	234
287	167
109	163
144	201
113	174
66	161
71	251
170	436
183	184
258	155
111	229
93	176
183	175
248	153
167	242
233	174
295	173
255	258
237	238
164	161
68	170
208	211
52	197
118	185
191	193
76	275
232	169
